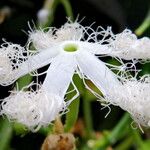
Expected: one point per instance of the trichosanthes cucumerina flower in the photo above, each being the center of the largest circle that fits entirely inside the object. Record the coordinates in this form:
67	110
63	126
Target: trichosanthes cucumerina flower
69	50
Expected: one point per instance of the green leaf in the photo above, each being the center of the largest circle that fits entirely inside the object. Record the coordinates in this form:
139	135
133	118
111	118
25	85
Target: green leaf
5	134
72	115
24	81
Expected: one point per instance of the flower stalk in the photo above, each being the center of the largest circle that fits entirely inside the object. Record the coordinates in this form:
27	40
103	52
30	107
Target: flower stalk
114	135
144	26
6	131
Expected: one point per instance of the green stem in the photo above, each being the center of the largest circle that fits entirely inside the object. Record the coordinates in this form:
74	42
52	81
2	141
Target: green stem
5	134
118	130
115	134
87	115
137	138
144	26
126	144
72	115
51	6
68	8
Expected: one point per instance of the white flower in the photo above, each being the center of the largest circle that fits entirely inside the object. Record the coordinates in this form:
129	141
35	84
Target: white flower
67	53
74	49
69	50
133	96
126	45
74	54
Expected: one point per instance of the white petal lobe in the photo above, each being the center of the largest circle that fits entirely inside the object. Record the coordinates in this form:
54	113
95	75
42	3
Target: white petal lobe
97	71
95	48
37	61
59	74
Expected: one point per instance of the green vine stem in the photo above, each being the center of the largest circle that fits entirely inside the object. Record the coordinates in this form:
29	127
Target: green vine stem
72	115
114	135
68	8
87	115
144	26
5	134
51	6
126	144
137	138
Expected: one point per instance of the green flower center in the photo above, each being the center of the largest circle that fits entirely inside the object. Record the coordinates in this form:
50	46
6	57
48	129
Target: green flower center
70	47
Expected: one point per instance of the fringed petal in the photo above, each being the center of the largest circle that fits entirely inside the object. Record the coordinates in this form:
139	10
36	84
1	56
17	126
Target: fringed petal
126	45
33	109
12	70
133	96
